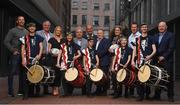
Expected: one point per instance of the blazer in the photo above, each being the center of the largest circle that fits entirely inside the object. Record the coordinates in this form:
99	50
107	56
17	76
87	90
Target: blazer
42	34
84	43
166	47
103	53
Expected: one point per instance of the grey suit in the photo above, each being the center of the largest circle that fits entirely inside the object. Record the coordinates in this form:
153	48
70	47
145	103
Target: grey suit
83	43
42	34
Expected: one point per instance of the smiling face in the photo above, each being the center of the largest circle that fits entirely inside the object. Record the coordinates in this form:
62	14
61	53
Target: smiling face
91	43
123	42
100	34
20	21
31	29
69	38
79	33
58	31
162	27
89	29
46	26
134	28
144	28
117	31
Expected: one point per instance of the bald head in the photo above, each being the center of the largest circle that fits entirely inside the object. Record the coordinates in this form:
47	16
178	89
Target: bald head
89	29
162	27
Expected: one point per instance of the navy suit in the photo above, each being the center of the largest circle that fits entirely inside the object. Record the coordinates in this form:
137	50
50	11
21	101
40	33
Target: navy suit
104	61
103	53
166	49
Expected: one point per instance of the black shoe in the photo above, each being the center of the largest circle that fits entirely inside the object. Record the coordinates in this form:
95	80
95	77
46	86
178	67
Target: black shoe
11	94
37	95
139	99
96	93
116	96
25	97
47	93
112	94
156	98
147	97
126	95
171	99
89	95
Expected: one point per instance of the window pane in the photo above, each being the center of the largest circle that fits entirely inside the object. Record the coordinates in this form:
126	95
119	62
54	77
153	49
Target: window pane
75	5
106	21
96	20
96	6
84	5
74	20
106	6
84	19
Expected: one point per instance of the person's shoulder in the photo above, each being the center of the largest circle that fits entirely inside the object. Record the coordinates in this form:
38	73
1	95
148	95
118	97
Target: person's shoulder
84	39
39	37
52	39
39	32
129	49
13	29
170	33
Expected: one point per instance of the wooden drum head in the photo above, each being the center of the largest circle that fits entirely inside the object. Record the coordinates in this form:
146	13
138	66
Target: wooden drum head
144	73
71	74
96	75
121	75
37	74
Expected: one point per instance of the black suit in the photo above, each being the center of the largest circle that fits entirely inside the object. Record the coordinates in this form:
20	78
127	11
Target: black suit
166	49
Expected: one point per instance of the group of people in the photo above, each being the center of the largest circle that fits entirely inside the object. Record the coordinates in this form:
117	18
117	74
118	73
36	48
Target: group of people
88	51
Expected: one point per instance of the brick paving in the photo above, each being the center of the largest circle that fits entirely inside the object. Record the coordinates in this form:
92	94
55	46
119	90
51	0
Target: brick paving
77	98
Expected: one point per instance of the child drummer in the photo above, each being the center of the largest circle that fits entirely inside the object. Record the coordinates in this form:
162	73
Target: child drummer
31	51
90	61
68	56
121	59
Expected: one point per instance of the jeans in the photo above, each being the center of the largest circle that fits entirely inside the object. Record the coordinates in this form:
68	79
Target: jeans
14	64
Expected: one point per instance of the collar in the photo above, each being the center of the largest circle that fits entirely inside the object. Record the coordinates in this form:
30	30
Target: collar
136	34
161	34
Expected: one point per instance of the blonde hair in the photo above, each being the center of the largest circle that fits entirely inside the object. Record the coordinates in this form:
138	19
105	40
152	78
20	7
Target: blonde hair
56	29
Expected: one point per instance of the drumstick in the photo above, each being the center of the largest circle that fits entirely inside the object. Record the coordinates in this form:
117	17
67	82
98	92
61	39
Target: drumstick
92	74
28	70
138	69
143	68
96	72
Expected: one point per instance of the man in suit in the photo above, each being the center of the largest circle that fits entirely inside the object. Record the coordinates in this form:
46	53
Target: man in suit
101	47
165	43
79	40
46	34
89	33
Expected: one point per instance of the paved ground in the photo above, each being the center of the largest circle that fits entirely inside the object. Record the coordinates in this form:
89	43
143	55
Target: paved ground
77	98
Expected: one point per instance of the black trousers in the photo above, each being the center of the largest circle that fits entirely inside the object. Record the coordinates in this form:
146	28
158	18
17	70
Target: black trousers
143	90
170	85
88	85
57	79
116	85
46	60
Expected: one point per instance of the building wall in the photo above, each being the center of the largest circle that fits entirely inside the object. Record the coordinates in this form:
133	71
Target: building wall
90	12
